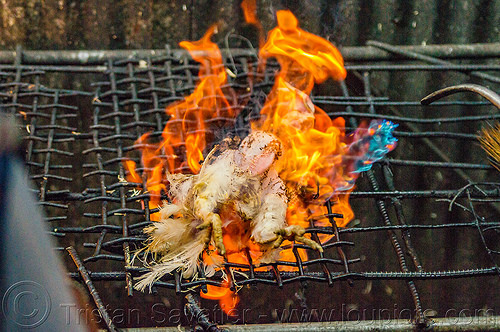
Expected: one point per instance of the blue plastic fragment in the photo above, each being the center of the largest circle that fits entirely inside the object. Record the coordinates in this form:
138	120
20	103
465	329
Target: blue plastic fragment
381	141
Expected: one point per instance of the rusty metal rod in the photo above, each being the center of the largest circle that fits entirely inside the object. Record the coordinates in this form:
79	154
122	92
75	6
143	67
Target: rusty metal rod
93	292
489	95
196	312
479	323
359	53
429	59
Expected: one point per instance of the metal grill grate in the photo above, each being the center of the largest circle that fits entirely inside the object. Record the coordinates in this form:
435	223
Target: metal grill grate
77	138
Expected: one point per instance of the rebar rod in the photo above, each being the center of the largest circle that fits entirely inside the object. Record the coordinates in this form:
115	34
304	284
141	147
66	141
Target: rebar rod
445	324
430	59
93	292
420	319
88	57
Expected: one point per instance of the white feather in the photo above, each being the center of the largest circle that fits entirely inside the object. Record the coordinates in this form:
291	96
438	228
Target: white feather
242	177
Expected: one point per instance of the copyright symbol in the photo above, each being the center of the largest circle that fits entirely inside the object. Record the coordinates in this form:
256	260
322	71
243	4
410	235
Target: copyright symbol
26	303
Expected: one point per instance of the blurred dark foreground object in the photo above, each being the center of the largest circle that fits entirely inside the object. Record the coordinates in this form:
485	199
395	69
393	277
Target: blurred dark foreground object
35	293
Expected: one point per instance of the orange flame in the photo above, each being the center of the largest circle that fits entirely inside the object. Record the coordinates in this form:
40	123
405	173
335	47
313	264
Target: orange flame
132	176
184	136
303	57
228	300
186	125
250	12
153	164
249	8
313	143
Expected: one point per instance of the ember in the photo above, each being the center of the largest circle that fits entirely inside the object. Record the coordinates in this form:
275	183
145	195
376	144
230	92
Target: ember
255	196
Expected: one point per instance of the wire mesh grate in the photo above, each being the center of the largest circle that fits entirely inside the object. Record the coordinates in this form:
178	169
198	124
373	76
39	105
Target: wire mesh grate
77	139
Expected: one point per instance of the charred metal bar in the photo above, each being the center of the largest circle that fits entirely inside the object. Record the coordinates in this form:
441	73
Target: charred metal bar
450	193
250	263
104	204
417	56
290	277
398	207
491	96
120	241
324	267
61	69
93	292
340	251
298	260
420	320
277	275
18	58
168	70
177	278
419	163
424	67
201	271
95	258
478	222
408	120
419	194
201	319
436	134
227	270
370	53
394	227
43	186
117	127
447	324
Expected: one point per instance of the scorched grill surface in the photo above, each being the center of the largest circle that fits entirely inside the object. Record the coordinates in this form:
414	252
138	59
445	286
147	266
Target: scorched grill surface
79	128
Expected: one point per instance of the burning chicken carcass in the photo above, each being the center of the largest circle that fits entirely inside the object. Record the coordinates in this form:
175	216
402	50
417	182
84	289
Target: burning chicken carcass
245	199
242	184
239	179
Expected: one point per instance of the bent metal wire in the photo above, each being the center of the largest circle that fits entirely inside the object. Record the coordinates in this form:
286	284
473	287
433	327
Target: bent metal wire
99	122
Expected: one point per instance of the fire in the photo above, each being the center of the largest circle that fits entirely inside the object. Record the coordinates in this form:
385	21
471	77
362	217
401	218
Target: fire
303	56
184	137
153	170
187	123
313	164
228	300
250	12
132	175
249	8
313	142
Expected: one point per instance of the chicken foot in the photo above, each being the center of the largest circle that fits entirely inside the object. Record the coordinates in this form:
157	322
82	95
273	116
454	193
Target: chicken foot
210	220
295	233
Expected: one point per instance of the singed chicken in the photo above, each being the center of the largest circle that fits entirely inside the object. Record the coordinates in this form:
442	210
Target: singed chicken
246	178
243	178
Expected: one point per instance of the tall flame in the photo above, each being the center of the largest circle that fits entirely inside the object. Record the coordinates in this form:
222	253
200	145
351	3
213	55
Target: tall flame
153	165
250	12
304	57
249	8
318	159
313	143
184	137
187	124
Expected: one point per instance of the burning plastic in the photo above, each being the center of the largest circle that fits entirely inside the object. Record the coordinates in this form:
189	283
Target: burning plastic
368	146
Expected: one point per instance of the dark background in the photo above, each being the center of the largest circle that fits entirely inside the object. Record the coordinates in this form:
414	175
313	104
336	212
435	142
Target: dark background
129	24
